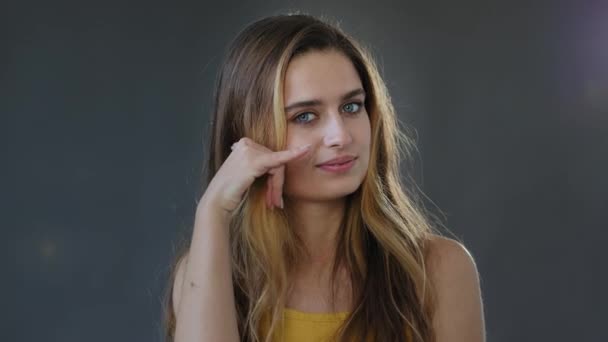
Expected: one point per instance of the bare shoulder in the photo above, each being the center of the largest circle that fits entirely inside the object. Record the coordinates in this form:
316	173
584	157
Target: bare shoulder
448	257
180	269
454	275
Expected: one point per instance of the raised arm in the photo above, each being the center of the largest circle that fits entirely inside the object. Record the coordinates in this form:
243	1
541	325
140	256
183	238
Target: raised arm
203	298
203	292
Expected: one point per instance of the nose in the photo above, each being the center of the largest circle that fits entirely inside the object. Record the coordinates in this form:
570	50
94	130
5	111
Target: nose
337	133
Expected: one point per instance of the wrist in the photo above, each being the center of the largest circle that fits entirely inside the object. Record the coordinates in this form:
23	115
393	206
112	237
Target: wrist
210	208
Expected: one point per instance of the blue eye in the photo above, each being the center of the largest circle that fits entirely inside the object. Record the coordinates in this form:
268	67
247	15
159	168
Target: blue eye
350	108
357	105
301	116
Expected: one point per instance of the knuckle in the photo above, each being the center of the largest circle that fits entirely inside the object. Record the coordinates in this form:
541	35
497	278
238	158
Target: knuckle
249	158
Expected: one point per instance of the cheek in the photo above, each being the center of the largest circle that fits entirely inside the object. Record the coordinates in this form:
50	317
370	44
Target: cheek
298	171
362	134
366	129
297	136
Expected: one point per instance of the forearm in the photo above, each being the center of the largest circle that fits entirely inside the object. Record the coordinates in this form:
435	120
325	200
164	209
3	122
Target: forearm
207	309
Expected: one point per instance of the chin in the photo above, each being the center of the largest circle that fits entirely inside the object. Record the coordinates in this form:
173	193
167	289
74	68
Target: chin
327	193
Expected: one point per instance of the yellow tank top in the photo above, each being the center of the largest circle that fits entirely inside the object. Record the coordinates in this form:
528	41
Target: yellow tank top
312	327
302	326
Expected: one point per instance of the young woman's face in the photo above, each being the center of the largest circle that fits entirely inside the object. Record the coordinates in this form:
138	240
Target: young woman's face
336	125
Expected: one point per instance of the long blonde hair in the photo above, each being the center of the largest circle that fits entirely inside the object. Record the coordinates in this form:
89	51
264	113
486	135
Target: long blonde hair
384	234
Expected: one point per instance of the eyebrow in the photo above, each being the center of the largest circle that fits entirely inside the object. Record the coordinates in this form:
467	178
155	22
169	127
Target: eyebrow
312	103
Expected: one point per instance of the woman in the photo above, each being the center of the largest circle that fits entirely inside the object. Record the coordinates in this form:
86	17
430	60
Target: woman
305	232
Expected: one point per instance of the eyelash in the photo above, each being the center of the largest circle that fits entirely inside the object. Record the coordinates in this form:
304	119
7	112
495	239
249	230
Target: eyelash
360	104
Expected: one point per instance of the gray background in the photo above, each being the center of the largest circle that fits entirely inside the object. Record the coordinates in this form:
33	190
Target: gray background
105	109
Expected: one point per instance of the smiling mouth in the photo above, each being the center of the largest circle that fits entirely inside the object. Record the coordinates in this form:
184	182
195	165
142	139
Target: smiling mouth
339	167
338	163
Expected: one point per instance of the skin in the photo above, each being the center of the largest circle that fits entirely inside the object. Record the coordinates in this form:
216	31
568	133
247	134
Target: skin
335	127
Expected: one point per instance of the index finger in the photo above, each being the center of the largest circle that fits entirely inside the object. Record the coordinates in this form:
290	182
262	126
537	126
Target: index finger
275	159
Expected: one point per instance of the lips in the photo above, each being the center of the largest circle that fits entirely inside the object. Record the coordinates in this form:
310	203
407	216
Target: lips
338	160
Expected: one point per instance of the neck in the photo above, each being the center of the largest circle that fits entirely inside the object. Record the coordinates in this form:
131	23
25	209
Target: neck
317	225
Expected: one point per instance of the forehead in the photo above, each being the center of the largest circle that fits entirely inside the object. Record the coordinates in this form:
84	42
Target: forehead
324	75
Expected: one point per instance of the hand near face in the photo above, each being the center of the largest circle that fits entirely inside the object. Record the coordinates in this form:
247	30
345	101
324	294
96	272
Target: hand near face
248	161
